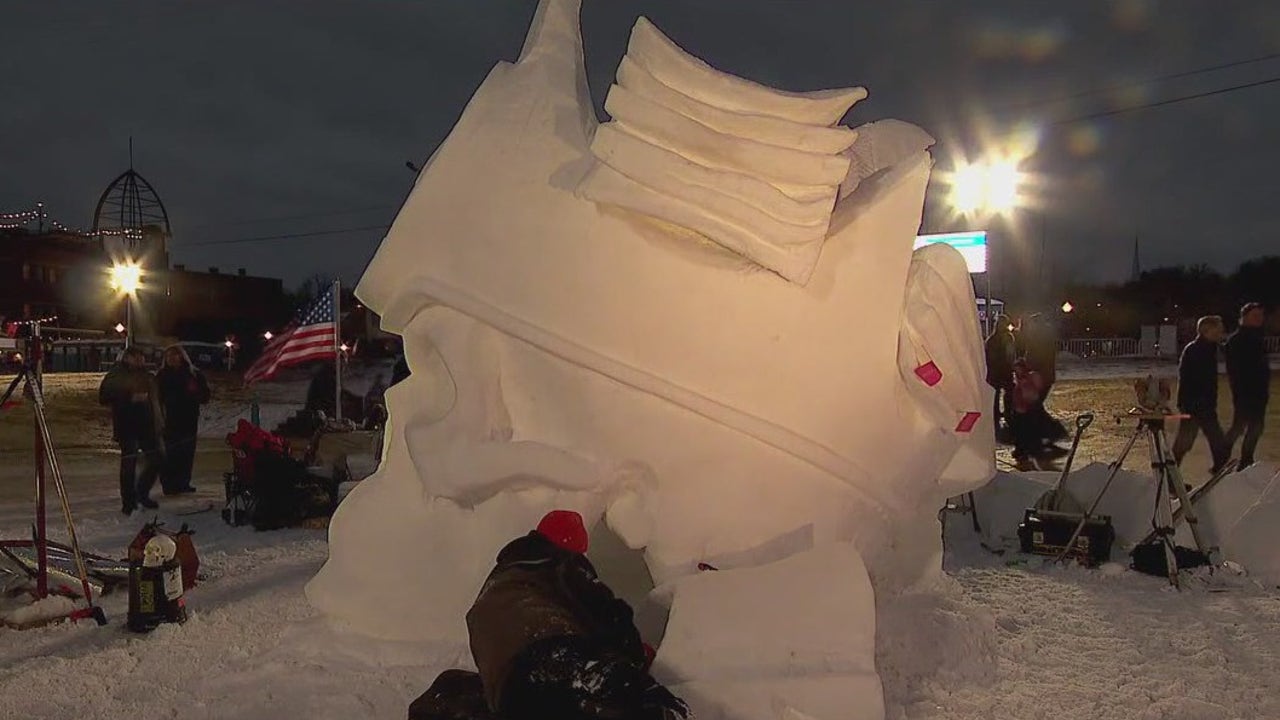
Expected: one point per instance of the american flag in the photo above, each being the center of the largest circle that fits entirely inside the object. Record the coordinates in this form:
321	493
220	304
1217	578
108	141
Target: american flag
311	336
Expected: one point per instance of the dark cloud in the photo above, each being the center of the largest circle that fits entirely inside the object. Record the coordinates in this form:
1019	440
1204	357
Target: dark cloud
254	109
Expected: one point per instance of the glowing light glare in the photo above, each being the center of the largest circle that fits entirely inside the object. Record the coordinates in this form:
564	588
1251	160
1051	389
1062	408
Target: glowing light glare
267	335
126	278
119	327
967	188
1002	181
1067	307
228	344
993	187
343	347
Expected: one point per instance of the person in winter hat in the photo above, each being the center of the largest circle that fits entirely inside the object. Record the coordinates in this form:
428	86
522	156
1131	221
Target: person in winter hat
551	641
130	391
183	389
1249	374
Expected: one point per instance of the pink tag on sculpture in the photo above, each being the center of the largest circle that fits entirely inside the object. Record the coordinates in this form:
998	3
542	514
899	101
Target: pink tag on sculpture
929	373
968	421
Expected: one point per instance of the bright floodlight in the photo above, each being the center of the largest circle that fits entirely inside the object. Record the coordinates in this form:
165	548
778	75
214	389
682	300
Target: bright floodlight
267	335
228	343
989	187
126	278
119	327
967	188
1002	179
1067	307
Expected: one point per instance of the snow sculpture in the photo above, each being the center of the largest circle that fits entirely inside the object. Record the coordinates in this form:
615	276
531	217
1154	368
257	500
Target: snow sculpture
579	340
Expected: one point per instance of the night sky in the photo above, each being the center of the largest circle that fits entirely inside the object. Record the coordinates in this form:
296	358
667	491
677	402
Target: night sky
261	117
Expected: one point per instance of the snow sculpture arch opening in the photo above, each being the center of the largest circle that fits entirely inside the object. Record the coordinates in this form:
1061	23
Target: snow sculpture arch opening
719	343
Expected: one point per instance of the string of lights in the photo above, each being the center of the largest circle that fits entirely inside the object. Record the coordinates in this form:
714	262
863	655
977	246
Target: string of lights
26	217
36	321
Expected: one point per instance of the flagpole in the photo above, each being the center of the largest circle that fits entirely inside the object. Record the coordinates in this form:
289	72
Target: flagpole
337	348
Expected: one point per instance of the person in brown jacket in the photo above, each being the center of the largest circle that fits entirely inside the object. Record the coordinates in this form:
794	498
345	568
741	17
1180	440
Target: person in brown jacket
551	641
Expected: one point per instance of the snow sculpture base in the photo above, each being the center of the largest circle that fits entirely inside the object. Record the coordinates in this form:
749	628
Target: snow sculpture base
574	355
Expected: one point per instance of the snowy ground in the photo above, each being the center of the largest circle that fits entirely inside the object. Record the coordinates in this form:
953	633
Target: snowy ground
1007	639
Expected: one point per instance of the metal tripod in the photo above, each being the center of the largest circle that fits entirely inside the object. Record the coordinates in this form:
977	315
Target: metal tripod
29	377
1168	480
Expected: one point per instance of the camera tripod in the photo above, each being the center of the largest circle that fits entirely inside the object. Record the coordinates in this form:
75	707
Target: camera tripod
29	378
1168	480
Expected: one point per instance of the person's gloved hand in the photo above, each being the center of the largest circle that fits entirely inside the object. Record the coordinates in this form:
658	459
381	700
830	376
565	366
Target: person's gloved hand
657	696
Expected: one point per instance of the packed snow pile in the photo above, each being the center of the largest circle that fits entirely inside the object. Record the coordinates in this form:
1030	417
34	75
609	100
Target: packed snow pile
629	362
1240	516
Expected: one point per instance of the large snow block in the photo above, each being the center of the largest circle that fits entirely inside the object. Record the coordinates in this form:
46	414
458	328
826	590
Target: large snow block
1220	509
1253	540
765	129
750	644
659	167
664	60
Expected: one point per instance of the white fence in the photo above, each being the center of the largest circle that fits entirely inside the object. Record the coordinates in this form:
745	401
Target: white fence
1101	347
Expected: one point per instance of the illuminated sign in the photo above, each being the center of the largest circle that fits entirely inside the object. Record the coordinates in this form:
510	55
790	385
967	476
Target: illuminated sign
972	246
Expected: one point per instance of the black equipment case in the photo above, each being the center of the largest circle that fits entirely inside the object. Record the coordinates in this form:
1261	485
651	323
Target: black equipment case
1046	532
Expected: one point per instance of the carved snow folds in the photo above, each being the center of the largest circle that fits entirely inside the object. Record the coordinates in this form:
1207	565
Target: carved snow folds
755	170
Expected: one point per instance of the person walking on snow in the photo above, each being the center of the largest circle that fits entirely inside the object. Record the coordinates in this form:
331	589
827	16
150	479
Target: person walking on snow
551	641
1198	393
183	389
130	391
1249	375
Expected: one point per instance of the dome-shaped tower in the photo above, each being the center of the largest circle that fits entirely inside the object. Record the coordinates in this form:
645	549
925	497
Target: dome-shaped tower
131	221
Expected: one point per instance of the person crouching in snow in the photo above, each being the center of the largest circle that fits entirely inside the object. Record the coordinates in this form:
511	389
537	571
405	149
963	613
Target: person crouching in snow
551	641
1028	390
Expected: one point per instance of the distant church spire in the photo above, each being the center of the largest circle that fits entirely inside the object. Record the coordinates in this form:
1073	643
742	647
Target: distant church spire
1136	272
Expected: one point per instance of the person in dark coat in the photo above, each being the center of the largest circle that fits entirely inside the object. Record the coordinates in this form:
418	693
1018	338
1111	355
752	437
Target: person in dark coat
322	389
183	389
1037	341
130	391
550	640
1249	375
1198	393
1001	352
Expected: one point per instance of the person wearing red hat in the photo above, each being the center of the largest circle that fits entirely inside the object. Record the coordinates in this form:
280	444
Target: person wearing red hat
551	640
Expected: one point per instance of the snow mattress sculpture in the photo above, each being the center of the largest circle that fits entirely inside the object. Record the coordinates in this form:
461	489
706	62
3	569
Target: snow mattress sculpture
702	323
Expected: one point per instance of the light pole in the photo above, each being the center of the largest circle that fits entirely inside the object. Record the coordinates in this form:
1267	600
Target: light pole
995	186
126	279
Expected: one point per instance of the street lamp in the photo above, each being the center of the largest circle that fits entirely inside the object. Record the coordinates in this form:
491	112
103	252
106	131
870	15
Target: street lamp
126	279
1067	307
267	335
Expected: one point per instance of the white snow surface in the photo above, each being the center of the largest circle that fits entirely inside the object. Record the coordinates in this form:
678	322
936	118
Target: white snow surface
1002	639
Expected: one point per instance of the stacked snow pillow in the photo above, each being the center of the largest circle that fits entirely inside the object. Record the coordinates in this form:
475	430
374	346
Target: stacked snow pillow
753	169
